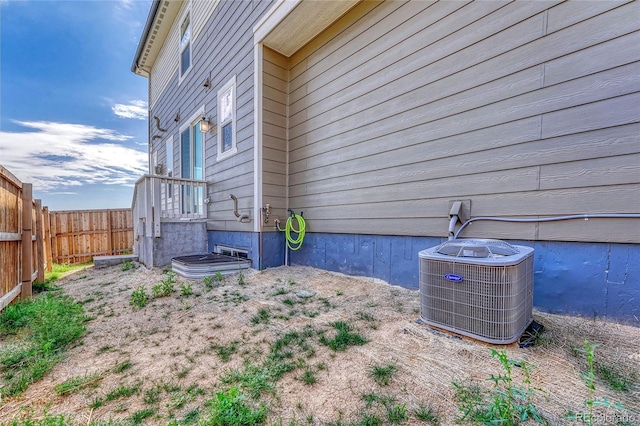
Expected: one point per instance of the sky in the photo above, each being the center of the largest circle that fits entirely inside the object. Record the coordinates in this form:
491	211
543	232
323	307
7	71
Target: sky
73	117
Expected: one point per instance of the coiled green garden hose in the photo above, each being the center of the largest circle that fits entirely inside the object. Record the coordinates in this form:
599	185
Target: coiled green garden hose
295	243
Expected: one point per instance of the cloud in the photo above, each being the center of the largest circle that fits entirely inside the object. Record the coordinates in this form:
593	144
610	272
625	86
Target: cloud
135	109
63	155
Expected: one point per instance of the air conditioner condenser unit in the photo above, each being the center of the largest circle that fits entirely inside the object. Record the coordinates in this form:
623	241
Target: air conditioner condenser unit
478	288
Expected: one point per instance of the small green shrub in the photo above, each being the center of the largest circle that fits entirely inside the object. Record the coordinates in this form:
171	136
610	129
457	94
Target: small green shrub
589	380
139	298
165	288
208	283
241	278
127	265
186	289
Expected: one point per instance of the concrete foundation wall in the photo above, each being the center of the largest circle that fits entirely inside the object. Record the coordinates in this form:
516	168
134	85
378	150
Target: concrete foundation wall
178	239
586	279
272	251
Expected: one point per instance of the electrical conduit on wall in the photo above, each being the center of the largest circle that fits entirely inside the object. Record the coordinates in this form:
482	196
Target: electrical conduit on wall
548	219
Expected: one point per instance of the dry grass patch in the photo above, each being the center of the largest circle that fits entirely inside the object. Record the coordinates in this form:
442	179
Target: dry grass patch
350	353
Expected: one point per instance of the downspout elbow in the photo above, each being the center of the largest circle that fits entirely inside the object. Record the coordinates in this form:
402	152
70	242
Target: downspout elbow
235	206
452	226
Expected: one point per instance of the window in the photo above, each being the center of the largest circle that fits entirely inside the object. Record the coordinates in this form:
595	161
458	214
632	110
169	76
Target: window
185	45
227	119
191	162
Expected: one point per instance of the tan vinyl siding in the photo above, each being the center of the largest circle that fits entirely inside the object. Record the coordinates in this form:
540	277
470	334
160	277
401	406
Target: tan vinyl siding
274	129
525	108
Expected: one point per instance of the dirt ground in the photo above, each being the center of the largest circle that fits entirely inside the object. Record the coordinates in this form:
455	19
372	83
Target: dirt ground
171	347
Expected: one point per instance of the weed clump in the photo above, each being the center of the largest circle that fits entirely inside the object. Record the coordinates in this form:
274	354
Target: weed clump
344	337
230	408
506	404
39	331
165	287
382	374
139	298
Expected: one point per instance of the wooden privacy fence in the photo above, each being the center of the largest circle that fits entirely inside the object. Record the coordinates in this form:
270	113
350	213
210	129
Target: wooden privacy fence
32	238
78	235
22	250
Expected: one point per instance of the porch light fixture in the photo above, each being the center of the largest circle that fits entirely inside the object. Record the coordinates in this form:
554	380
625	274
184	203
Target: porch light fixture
205	124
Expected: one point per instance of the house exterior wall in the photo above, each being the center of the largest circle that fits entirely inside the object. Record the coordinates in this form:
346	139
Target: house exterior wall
525	109
221	48
522	109
274	133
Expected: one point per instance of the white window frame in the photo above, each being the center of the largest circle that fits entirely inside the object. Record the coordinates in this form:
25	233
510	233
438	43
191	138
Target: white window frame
170	155
189	197
196	117
187	14
231	84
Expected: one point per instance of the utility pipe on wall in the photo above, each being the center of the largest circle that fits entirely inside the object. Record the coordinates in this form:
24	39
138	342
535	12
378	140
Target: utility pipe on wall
241	217
548	219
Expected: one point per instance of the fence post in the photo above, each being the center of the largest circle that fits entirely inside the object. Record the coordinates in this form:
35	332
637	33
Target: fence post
27	244
40	241
109	236
47	239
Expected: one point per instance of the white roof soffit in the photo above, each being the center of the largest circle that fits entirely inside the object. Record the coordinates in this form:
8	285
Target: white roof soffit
153	38
303	22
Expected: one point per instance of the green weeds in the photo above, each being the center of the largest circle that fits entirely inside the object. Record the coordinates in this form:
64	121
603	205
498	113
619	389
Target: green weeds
426	414
186	289
37	332
230	408
382	374
344	337
166	286
506	404
139	298
309	377
263	316
225	352
75	384
589	379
